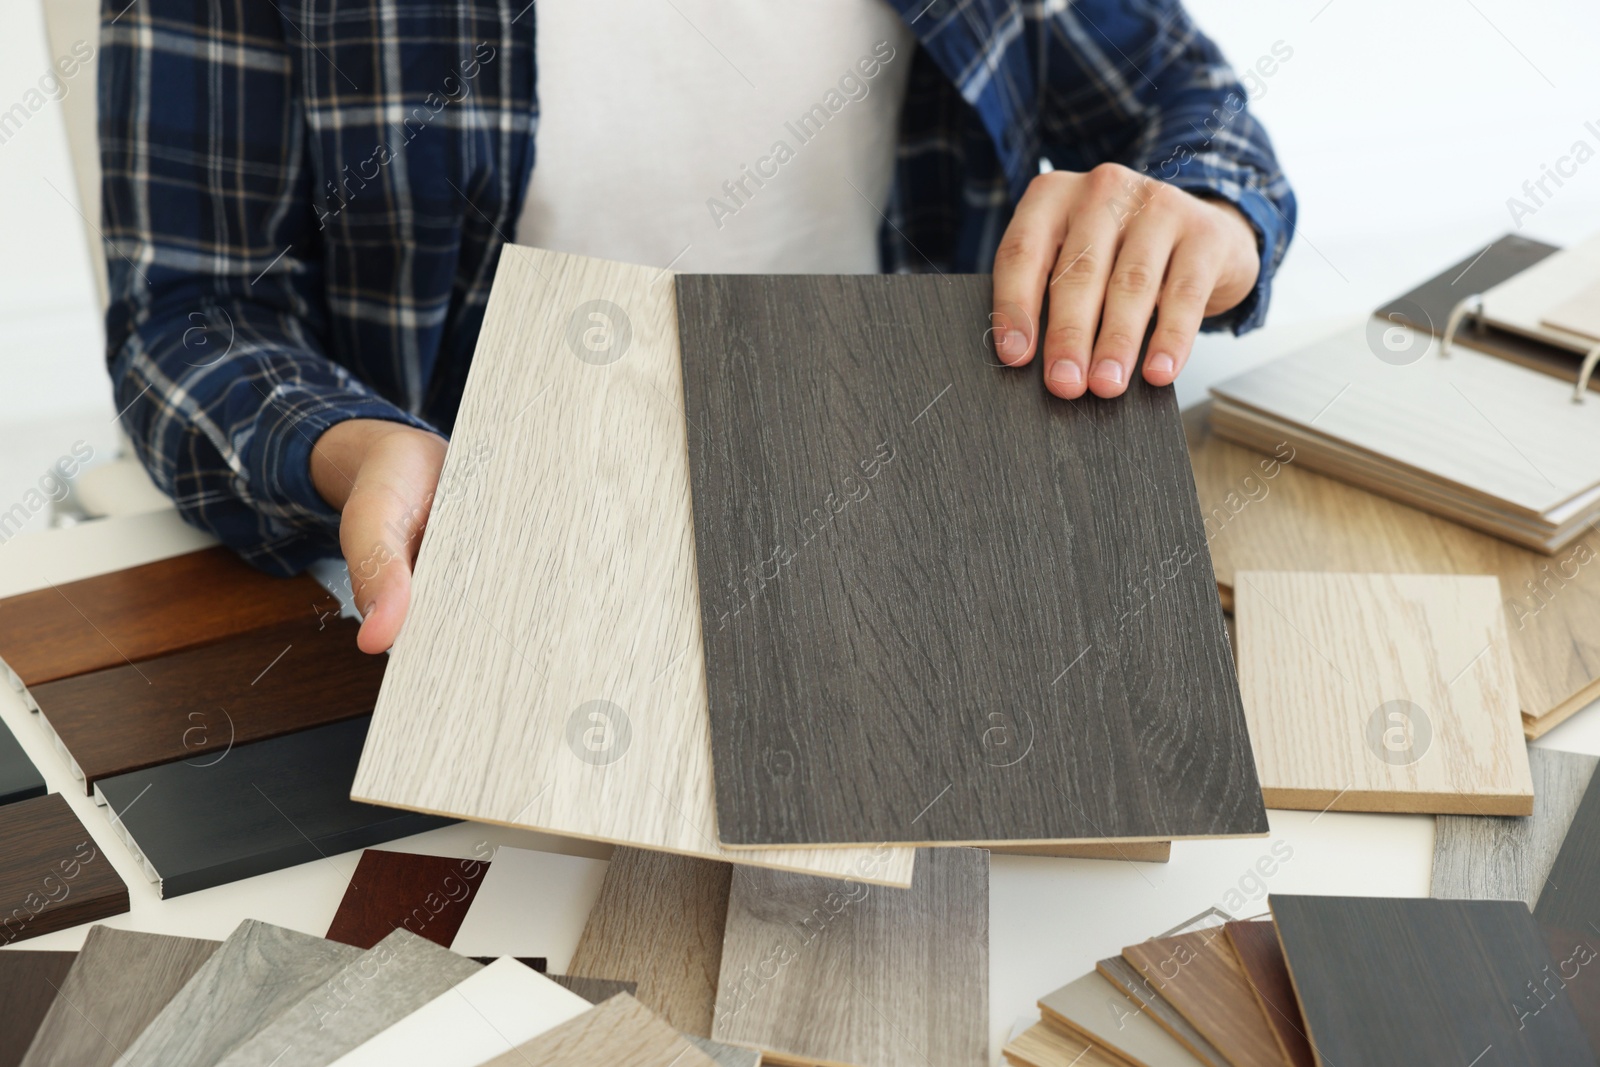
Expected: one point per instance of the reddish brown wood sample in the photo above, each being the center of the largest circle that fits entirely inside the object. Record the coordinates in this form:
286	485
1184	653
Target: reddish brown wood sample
145	611
28	985
197	704
52	874
1199	975
1261	957
427	895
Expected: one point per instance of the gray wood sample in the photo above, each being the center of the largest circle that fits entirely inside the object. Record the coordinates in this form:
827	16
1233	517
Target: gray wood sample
1568	914
1508	857
820	970
725	1055
1139	987
120	982
259	971
594	990
371	992
619	1031
939	604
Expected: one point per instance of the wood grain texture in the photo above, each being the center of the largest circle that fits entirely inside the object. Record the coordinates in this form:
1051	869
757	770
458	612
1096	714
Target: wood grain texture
1455	974
369	993
594	990
19	778
1568	913
957	576
52	874
29	983
259	971
1199	975
1095	1011
1042	1045
492	1012
725	1055
570	699
1141	989
263	807
1509	858
197	704
816	970
1370	692
426	895
1260	957
1130	851
619	1031
512	916
145	611
118	985
659	922
1265	512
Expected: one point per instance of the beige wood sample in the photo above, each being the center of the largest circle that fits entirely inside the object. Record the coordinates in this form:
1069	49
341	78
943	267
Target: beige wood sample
1199	975
1579	314
1263	511
658	922
551	672
1534	300
619	1032
1042	1045
1097	1012
1371	692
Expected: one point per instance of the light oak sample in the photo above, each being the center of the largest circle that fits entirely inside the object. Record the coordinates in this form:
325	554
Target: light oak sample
360	1000
1199	975
257	972
1142	988
1372	692
52	873
1263	511
551	674
821	971
1261	959
1042	1045
511	914
119	984
659	922
29	982
1509	857
1095	1011
617	1032
502	1006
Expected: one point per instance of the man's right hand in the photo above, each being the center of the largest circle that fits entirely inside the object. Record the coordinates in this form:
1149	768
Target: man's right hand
381	476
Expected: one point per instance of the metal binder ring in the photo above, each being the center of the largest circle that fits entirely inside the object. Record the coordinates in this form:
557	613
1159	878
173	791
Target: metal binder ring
1472	305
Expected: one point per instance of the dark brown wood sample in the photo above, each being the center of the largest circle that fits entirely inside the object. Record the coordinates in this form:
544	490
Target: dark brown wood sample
1261	957
939	604
198	704
29	982
427	895
1568	914
145	611
52	874
1426	983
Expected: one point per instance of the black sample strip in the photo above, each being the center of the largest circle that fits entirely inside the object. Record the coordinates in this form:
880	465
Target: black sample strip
259	808
941	605
1426	983
19	778
1568	913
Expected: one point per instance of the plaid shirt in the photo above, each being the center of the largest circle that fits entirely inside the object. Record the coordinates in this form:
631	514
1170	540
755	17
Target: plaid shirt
304	202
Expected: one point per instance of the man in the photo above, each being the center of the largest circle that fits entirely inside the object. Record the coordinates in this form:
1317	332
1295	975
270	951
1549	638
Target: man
304	203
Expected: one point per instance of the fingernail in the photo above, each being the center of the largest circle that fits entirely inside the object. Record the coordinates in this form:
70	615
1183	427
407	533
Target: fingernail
1066	372
1108	371
1013	345
1161	364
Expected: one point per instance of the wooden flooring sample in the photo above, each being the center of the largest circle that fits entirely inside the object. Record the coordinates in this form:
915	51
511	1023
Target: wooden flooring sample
570	698
266	806
502	1006
119	984
1199	975
1141	989
725	1055
1426	983
512	915
1509	857
1265	512
1371	692
19	778
930	590
145	611
1128	851
426	895
659	922
360	1000
1568	914
198	704
52	874
594	990
29	983
821	971
1042	1045
1097	1012
620	1031
255	974
1255	944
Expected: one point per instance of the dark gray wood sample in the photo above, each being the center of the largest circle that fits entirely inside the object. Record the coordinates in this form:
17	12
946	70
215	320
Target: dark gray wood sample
119	984
939	604
264	806
1568	914
19	778
29	983
1426	983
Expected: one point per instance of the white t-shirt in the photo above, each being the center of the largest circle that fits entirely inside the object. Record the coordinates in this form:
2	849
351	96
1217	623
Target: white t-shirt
716	135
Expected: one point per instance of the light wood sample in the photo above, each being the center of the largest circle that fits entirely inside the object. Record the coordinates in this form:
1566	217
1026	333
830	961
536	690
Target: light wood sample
617	1032
120	982
1263	511
659	922
1509	857
821	971
502	1006
511	915
1097	1012
1579	314
1199	975
1142	988
1370	692
551	674
1548	294
1042	1045
258	971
